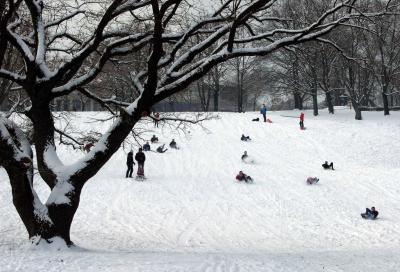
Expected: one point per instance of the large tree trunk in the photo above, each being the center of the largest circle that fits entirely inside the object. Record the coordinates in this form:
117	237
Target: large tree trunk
329	103
357	110
43	222
385	103
298	101
24	200
315	104
16	158
216	98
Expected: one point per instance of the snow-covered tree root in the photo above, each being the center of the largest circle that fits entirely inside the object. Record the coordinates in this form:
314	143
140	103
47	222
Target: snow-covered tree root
16	157
54	218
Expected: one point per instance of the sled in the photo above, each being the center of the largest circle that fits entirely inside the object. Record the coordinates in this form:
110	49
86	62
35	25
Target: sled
304	128
269	121
242	181
249	161
140	178
365	216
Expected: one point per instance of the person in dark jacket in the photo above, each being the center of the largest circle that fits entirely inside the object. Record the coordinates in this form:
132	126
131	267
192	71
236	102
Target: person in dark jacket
154	139
263	111
146	147
140	158
370	213
312	180
245	138
172	144
328	166
156	119
243	177
244	156
161	149
129	163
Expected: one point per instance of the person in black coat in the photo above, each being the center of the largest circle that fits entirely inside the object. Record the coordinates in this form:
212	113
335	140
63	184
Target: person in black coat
129	163
140	158
245	138
327	166
370	213
161	149
172	144
154	139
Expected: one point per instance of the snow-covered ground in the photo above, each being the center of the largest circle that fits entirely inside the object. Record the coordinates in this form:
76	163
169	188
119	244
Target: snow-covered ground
191	215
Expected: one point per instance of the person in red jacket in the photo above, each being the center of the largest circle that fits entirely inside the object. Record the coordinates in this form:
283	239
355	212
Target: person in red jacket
301	120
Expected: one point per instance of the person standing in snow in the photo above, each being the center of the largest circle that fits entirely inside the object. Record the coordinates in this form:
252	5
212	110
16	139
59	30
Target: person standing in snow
263	111
129	164
301	120
140	158
156	119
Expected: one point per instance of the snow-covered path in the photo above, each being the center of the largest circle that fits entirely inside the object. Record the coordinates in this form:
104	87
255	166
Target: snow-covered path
191	215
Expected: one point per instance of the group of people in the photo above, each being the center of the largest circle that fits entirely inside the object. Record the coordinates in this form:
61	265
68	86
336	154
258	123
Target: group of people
140	156
161	148
369	213
314	180
241	176
263	112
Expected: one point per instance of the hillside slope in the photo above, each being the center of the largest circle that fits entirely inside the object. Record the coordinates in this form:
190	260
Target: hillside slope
191	214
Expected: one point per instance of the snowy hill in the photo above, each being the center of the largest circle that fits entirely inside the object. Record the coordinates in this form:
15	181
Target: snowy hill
191	214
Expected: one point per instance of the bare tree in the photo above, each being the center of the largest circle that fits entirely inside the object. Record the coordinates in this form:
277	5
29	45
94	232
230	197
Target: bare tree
85	49
383	53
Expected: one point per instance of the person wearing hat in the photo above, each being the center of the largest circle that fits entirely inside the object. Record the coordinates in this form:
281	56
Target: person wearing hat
129	164
140	158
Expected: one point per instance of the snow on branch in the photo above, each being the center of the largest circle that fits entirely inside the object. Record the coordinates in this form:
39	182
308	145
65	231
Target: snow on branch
12	76
63	19
108	52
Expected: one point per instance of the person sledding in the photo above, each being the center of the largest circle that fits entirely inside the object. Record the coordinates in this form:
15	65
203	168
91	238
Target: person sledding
140	157
154	139
129	164
173	145
312	180
161	149
327	166
245	138
146	147
243	177
245	156
302	121
370	213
